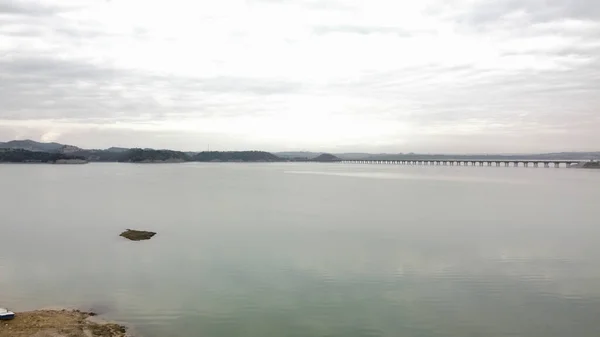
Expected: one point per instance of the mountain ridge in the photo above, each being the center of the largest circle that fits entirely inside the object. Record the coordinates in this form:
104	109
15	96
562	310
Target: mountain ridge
54	147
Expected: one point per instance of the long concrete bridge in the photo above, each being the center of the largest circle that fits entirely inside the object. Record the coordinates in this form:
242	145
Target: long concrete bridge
470	162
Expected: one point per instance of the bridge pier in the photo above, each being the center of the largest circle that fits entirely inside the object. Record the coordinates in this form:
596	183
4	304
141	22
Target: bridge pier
453	162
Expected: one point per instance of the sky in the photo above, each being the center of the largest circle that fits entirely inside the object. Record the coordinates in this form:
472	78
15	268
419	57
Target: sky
429	76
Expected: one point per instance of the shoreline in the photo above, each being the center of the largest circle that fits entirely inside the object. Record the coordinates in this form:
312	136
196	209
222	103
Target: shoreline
60	323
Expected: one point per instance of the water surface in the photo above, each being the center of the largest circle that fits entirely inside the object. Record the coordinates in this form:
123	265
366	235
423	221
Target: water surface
307	249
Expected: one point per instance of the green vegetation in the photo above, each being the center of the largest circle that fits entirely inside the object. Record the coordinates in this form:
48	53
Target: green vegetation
592	164
168	156
326	157
134	156
241	156
141	156
24	156
30	145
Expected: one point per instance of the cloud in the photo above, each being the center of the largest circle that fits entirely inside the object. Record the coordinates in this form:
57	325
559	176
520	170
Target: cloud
49	137
16	7
432	76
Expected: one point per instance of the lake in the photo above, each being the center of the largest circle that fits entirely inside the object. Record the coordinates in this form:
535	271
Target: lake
334	250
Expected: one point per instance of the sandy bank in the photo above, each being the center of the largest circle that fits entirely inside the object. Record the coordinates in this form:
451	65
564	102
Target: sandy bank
58	323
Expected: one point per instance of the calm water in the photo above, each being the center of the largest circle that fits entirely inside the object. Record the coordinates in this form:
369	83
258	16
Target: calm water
307	249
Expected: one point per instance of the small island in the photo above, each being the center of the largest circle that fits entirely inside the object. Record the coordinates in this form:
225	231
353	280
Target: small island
59	323
135	235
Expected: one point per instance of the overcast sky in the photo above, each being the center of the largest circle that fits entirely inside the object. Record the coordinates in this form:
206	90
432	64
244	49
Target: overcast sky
325	75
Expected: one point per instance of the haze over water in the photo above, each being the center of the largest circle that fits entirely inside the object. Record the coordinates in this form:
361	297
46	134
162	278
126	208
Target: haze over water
305	250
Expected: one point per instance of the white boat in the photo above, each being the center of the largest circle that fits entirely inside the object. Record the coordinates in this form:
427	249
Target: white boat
6	315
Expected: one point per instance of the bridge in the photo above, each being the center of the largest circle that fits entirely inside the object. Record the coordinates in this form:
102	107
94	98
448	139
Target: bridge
470	162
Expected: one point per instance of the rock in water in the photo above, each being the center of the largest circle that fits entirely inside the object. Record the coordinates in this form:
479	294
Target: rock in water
135	235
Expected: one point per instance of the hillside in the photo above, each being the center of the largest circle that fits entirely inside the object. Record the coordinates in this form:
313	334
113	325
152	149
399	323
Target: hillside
326	157
31	145
240	156
297	154
153	156
133	156
25	156
121	154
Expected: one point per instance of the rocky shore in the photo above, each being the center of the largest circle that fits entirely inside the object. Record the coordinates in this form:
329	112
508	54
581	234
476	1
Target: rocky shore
59	323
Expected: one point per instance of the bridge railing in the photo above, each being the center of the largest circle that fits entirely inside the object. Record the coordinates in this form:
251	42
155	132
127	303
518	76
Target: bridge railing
467	162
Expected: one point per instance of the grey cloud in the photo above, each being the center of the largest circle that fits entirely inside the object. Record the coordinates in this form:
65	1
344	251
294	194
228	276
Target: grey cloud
246	85
363	30
46	87
490	12
509	102
311	4
27	8
519	99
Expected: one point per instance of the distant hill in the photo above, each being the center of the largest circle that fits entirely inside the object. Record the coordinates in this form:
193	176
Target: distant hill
357	155
31	145
326	157
24	156
133	156
154	156
68	149
121	154
241	156
297	154
117	149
